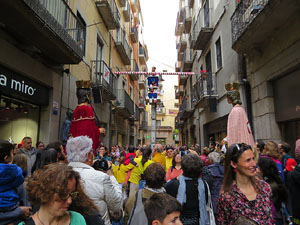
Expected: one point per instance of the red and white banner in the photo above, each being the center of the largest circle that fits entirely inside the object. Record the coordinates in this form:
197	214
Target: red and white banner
154	73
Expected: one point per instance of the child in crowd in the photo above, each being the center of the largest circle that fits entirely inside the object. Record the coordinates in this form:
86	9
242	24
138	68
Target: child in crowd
13	200
162	209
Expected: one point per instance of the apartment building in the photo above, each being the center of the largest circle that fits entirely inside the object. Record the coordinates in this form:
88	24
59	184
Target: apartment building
203	31
267	34
54	43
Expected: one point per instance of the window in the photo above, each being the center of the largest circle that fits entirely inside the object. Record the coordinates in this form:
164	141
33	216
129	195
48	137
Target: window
219	53
81	37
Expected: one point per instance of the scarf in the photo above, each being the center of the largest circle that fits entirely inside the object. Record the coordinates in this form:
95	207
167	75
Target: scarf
181	197
156	190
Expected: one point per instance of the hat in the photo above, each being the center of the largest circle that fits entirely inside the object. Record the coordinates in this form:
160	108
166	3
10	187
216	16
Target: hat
234	86
85	84
290	164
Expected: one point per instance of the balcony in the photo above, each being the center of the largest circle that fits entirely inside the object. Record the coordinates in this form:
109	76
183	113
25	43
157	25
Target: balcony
126	12
191	3
134	34
137	113
144	125
188	60
178	29
205	88
265	16
202	30
178	65
44	29
183	43
183	79
142	55
180	15
142	104
135	68
133	4
122	3
122	46
142	84
103	78
109	13
187	22
123	105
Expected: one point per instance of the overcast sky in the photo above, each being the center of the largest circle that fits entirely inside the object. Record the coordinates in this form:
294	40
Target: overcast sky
159	28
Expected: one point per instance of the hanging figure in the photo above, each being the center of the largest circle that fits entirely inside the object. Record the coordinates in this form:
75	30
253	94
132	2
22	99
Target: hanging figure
238	127
83	119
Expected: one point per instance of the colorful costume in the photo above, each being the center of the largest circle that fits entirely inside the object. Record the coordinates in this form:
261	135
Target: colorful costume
83	124
238	127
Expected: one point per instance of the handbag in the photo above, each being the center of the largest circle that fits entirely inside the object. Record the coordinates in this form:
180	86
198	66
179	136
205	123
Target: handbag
209	208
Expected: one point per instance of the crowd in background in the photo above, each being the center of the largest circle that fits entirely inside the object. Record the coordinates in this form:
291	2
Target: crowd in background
219	184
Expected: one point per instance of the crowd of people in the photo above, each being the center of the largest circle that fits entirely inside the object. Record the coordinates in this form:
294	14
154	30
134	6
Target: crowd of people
220	184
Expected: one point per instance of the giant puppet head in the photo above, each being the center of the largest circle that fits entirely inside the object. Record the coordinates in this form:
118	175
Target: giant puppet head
83	91
233	94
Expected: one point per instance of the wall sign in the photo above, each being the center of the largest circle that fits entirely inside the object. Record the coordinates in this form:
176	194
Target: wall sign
18	86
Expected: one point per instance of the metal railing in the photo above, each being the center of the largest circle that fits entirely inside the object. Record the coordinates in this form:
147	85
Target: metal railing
102	75
60	18
182	108
121	37
113	6
188	55
142	51
137	113
135	31
124	100
203	21
205	86
245	12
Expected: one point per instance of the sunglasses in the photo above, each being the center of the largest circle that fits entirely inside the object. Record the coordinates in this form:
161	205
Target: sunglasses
73	196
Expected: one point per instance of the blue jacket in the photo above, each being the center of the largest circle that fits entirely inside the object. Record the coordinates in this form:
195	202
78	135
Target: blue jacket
10	179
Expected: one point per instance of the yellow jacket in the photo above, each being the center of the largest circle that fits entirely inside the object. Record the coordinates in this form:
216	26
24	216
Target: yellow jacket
159	158
168	163
135	175
143	168
120	172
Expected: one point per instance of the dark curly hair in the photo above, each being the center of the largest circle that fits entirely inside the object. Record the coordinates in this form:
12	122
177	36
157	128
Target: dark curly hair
192	166
53	179
155	175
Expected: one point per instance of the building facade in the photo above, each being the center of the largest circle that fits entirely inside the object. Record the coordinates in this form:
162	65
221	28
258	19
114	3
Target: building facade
272	65
45	51
203	34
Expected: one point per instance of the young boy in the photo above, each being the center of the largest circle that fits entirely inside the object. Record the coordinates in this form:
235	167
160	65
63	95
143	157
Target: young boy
162	209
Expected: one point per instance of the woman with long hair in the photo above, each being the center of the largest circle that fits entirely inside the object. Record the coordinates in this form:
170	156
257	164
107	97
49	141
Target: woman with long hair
242	194
175	170
267	169
143	164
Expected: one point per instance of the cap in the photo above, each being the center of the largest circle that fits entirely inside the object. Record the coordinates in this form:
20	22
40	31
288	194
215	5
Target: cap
290	164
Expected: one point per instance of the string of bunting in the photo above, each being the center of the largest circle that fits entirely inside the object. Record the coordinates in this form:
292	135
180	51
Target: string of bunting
154	73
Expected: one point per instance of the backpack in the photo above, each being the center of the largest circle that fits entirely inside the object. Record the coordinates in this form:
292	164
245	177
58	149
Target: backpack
138	215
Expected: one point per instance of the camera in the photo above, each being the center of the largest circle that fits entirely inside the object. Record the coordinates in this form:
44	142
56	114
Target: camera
101	165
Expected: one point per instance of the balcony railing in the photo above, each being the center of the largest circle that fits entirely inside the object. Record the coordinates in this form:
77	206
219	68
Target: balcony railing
123	103
142	55
188	60
182	79
142	104
126	12
183	42
109	12
137	113
187	22
134	34
50	26
103	77
202	29
122	46
182	108
134	68
142	80
205	87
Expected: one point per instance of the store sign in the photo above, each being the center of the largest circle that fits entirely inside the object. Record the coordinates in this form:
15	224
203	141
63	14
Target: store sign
287	97
21	87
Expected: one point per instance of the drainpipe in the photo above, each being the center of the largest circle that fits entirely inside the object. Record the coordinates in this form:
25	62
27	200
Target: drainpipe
247	88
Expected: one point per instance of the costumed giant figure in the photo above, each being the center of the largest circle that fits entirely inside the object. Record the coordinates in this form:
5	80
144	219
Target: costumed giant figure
238	127
83	119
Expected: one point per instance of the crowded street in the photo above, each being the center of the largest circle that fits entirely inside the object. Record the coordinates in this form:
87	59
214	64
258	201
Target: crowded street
139	112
